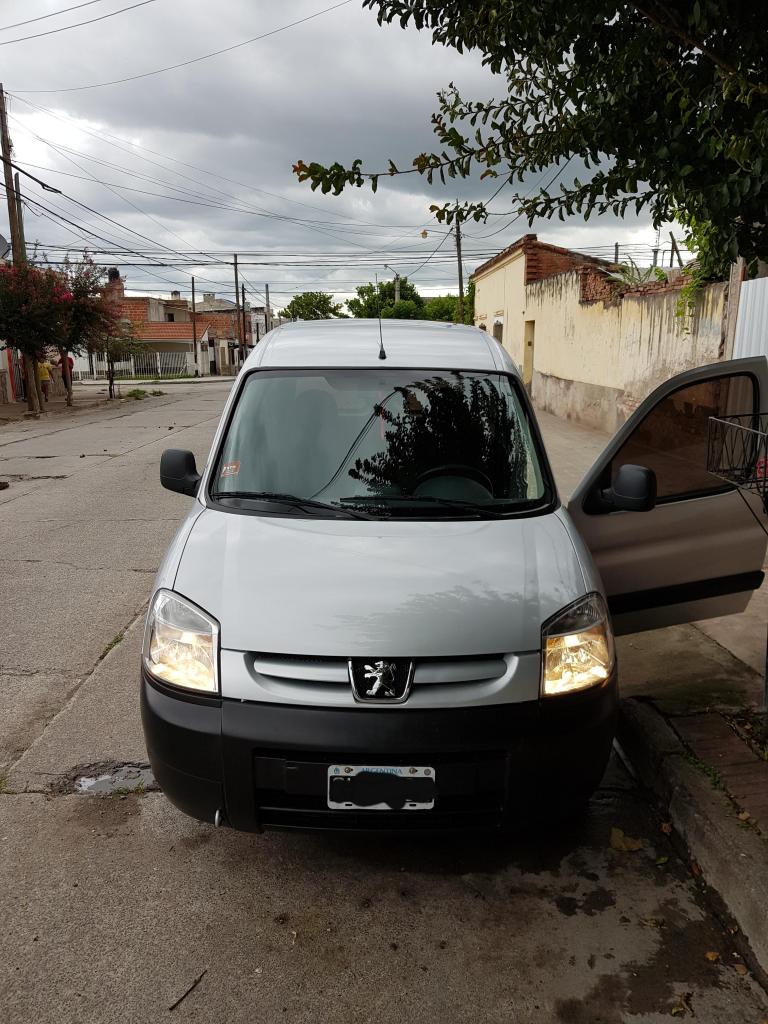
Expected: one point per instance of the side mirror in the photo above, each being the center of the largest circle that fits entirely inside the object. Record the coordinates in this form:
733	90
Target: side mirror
633	490
178	471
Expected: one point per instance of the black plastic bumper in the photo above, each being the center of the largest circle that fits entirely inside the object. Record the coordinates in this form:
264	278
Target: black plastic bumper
266	765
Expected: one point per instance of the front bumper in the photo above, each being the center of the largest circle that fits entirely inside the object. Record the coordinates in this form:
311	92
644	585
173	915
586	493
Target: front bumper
265	765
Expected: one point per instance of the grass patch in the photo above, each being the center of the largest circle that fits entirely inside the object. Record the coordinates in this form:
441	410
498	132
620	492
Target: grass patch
137	394
752	726
156	392
112	643
706	769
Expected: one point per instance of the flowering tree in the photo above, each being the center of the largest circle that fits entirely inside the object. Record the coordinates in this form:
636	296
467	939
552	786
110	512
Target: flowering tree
35	307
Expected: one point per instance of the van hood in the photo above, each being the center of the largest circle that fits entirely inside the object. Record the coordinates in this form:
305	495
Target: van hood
352	588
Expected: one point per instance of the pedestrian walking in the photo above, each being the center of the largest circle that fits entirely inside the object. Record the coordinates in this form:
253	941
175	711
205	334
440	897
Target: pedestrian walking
44	377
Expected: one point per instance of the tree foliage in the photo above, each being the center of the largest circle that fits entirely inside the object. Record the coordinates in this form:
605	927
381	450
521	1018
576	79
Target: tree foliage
35	308
374	300
313	306
664	104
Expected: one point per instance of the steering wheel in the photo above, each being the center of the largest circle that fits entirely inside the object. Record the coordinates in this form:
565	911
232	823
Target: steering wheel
456	469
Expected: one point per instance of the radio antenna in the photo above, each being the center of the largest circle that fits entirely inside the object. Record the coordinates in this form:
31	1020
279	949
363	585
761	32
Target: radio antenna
382	353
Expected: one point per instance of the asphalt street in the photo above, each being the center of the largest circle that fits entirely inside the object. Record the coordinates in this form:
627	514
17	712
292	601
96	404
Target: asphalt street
118	908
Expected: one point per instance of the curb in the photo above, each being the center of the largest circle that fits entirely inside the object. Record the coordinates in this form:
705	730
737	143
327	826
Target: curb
733	859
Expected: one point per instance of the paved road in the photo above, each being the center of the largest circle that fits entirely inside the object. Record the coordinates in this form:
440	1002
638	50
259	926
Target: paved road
113	907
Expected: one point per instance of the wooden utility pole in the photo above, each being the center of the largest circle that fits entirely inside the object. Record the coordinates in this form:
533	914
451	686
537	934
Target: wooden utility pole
675	251
239	326
34	403
460	304
267	311
194	330
245	321
13	205
20	215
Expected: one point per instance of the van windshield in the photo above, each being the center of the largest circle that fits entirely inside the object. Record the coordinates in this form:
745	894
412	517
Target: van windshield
390	442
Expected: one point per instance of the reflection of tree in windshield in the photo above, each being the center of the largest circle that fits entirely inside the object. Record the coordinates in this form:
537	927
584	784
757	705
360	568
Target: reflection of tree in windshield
465	421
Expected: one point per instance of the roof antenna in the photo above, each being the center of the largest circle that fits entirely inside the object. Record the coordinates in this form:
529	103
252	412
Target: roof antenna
382	353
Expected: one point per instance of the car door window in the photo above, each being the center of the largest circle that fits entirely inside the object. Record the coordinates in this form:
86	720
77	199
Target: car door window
672	439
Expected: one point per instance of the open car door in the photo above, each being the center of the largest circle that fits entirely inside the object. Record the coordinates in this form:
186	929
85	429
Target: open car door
699	551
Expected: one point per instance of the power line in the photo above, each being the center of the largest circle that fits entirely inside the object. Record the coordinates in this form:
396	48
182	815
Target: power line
78	24
194	60
53	14
113	140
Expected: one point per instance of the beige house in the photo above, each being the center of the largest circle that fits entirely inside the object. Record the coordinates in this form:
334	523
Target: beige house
589	348
500	293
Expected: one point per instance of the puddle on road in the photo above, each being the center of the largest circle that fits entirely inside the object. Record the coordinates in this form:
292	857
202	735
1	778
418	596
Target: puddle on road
108	779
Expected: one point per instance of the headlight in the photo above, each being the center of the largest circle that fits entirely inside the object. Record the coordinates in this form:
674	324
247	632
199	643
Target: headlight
577	647
181	644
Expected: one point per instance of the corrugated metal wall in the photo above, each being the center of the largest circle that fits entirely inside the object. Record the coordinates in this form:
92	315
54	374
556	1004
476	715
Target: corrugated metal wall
752	323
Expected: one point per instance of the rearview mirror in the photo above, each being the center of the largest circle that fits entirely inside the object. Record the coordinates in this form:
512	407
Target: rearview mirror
633	490
178	471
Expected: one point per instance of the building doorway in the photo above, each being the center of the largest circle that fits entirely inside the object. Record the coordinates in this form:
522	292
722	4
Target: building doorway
528	338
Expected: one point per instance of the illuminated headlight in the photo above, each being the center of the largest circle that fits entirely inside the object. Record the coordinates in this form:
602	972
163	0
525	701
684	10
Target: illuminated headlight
181	644
577	647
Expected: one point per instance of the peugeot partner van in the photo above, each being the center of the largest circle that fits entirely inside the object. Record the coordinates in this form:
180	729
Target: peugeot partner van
378	614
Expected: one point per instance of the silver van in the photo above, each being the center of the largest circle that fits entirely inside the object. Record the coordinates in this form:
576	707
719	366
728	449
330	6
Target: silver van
378	614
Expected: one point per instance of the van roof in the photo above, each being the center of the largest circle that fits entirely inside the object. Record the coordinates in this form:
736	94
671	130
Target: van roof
353	342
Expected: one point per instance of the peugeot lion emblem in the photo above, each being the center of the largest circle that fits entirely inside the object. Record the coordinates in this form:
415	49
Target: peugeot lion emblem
383	675
383	681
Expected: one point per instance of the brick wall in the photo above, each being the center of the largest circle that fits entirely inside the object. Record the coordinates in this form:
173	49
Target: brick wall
544	260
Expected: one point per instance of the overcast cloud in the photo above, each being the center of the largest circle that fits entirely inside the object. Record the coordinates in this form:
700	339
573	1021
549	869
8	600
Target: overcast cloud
336	87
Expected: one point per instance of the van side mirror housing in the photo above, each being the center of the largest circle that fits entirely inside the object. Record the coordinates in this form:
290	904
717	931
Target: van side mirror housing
633	490
178	471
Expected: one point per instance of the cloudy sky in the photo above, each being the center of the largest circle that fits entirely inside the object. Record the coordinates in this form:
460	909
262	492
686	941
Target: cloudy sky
198	159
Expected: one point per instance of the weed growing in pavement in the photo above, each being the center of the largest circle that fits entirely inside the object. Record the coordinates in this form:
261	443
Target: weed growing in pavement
112	643
137	394
712	773
751	725
156	391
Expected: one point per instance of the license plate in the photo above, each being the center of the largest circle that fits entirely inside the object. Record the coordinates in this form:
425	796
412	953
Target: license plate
380	788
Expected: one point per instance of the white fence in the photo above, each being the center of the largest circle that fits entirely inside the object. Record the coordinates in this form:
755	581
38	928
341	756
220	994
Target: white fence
153	365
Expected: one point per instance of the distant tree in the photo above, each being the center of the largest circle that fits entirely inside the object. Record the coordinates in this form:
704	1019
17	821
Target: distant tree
313	306
441	307
405	309
92	318
35	306
373	300
116	345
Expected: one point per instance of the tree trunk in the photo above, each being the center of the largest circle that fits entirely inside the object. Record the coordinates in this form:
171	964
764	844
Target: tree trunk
66	374
38	386
111	377
29	373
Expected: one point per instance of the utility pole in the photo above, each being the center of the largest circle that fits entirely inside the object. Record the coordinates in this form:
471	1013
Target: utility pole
245	322
194	330
17	242
460	304
675	251
615	252
268	310
20	214
239	326
13	206
397	287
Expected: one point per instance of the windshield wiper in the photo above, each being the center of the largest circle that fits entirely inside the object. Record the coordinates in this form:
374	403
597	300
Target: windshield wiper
466	506
290	499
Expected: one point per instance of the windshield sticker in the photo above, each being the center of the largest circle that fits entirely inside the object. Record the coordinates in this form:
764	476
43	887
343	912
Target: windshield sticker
230	469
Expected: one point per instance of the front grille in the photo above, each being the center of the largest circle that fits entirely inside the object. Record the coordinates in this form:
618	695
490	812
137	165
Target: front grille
287	670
